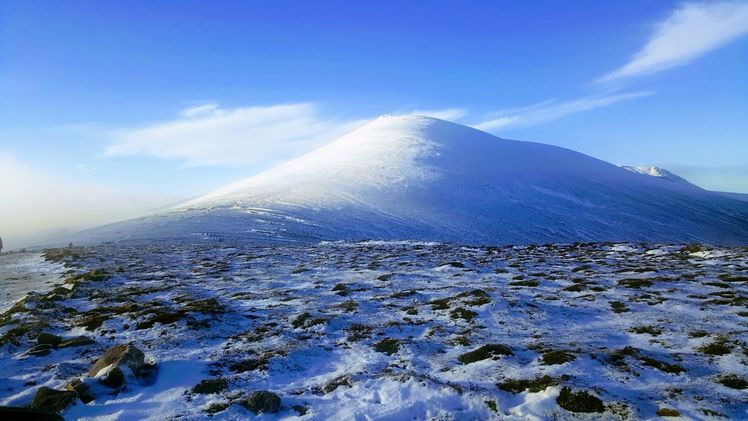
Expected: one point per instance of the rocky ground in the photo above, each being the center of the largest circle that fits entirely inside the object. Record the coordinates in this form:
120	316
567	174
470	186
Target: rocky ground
375	330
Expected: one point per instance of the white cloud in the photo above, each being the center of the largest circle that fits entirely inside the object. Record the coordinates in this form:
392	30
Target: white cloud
209	135
691	31
551	110
451	114
37	205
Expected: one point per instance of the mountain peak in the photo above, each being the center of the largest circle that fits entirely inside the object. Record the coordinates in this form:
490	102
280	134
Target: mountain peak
421	178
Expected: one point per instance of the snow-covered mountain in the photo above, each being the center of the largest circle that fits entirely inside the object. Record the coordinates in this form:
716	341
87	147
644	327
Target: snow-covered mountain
406	177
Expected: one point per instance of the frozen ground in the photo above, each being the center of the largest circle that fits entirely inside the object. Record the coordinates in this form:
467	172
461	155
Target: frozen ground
397	330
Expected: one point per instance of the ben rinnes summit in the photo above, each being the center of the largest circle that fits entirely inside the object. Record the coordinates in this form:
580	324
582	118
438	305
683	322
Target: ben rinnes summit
408	177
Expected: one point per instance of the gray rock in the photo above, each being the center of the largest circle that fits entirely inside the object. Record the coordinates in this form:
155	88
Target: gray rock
52	400
263	401
121	356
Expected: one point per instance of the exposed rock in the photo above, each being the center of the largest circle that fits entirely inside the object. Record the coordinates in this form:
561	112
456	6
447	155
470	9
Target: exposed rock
119	356
52	400
11	413
115	378
82	389
263	401
76	341
48	339
40	350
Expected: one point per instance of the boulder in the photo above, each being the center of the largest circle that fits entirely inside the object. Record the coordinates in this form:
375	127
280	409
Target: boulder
11	413
120	356
52	400
263	402
45	338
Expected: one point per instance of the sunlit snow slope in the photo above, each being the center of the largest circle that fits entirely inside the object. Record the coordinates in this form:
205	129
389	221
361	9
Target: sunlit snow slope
422	178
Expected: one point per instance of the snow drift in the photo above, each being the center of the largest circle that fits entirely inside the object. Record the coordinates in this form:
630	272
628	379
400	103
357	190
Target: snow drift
406	177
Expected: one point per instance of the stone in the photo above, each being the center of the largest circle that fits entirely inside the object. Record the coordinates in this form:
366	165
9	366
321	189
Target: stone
12	413
40	350
119	356
51	400
114	379
263	402
48	339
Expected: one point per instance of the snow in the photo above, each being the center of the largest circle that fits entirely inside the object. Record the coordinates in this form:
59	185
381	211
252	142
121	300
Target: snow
420	178
389	291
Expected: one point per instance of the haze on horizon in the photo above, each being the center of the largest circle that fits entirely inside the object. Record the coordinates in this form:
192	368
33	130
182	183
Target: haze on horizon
112	110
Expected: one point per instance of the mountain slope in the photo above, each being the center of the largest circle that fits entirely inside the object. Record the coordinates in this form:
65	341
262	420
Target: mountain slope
423	178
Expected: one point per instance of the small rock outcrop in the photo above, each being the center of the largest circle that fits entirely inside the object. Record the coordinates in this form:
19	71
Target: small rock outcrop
263	402
51	400
112	371
120	356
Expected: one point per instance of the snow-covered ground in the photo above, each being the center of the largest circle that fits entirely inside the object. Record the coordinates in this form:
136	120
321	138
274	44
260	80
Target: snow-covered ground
388	330
24	272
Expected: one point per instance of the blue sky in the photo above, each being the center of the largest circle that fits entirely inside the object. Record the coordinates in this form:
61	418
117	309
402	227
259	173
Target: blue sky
129	105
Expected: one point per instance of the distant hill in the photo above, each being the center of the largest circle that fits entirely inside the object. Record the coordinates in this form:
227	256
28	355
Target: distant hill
406	177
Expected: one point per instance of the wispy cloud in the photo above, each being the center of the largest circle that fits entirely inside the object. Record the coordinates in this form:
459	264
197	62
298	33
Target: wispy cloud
208	135
451	114
690	31
550	110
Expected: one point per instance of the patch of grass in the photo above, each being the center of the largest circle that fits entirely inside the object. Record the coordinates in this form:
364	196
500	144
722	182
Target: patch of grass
556	357
733	381
358	331
667	412
635	283
440	304
480	297
661	365
211	386
455	264
250	364
462	313
691	248
531	385
733	278
306	320
486	351
387	346
403	294
162	317
579	401
348	306
207	306
341	289
619	307
649	330
698	334
528	283
576	288
93	320
719	346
